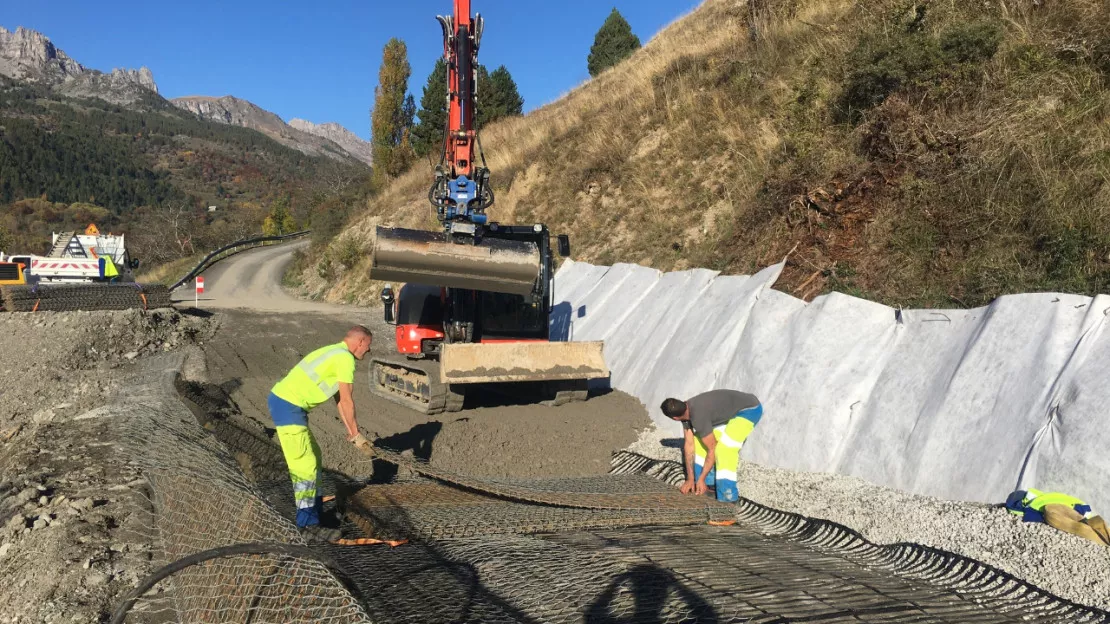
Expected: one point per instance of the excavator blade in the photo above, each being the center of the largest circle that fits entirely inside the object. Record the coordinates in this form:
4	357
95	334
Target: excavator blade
419	257
462	363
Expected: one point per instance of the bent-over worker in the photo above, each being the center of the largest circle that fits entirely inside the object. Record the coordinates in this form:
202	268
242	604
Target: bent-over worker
715	425
1061	511
321	375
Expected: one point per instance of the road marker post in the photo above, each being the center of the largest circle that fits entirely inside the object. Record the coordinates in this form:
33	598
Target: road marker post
200	289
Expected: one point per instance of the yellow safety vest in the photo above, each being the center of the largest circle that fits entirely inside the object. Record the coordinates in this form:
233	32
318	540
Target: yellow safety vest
317	377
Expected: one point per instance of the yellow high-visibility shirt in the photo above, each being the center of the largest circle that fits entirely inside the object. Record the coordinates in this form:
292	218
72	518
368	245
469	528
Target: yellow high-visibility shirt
317	377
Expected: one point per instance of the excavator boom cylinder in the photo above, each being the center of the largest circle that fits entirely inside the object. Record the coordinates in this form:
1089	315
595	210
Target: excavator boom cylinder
494	265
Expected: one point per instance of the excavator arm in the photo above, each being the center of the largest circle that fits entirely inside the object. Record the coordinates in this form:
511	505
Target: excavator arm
492	275
461	192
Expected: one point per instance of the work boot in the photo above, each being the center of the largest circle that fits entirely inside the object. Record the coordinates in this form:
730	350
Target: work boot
316	534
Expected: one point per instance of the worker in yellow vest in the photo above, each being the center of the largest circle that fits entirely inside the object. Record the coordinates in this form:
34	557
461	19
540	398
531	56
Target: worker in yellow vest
318	377
1064	512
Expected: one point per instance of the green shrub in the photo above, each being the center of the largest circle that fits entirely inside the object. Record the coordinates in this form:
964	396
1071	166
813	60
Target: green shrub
970	43
349	253
881	66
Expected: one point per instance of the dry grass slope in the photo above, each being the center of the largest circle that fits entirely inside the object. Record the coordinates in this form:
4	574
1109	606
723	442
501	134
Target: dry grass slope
922	154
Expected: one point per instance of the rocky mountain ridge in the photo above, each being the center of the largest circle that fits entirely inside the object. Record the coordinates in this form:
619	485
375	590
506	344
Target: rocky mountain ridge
29	56
234	111
337	133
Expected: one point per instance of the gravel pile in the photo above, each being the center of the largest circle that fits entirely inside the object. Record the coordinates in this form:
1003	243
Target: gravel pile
65	361
1068	566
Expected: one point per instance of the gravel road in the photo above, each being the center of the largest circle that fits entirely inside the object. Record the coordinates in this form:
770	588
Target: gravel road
252	280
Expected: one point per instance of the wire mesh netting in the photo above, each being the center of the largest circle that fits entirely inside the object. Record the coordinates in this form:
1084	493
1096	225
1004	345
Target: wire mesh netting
521	551
627	493
70	297
434	510
199	499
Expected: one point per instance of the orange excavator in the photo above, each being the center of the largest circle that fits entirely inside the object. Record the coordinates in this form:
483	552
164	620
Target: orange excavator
477	302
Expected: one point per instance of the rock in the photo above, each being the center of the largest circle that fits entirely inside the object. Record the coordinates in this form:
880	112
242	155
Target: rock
131	355
44	500
26	495
39	524
346	139
95	579
16	524
82	504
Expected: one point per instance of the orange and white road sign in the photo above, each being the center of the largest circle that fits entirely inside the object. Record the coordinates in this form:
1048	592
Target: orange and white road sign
200	285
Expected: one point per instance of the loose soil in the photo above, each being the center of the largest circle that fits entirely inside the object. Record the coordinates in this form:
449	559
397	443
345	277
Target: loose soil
492	437
70	540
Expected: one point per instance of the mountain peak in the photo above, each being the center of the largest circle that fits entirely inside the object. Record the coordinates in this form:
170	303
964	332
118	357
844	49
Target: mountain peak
30	56
328	139
354	144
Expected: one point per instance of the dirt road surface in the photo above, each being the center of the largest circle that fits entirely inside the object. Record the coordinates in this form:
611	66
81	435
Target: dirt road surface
252	281
253	348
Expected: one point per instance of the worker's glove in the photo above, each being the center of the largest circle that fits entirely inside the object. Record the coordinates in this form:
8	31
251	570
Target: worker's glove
362	444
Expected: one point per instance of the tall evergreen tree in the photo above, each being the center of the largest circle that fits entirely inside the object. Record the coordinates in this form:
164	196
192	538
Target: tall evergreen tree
391	118
498	96
487	99
508	96
613	43
428	133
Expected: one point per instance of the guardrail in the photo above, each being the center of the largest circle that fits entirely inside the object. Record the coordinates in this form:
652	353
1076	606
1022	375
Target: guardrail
233	248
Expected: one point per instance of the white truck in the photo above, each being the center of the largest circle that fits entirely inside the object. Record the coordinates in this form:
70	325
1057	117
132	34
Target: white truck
79	258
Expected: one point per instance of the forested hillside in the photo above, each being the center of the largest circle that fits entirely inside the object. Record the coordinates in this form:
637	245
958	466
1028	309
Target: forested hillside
149	169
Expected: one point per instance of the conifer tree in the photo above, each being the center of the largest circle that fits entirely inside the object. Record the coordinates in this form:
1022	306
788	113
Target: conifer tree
613	43
428	133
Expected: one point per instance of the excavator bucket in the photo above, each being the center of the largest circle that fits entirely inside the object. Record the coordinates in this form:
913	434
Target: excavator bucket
463	363
419	257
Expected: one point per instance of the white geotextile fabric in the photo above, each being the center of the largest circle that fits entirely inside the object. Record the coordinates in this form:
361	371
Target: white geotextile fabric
958	404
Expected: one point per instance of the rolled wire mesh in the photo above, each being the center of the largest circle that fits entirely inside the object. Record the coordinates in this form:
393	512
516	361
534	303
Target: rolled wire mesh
984	587
70	297
198	499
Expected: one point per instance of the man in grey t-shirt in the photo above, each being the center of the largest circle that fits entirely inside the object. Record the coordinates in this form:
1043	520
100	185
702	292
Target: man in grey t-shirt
715	425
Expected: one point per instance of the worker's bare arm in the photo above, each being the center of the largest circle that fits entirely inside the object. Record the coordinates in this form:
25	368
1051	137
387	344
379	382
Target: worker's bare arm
710	443
347	409
688	456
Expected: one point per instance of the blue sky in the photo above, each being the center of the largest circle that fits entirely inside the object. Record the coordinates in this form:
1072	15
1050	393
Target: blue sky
319	61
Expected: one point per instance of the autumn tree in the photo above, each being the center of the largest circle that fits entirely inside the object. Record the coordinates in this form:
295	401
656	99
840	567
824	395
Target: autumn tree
279	222
392	117
613	43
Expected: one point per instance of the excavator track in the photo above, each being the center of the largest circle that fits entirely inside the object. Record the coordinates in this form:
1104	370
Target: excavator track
415	384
